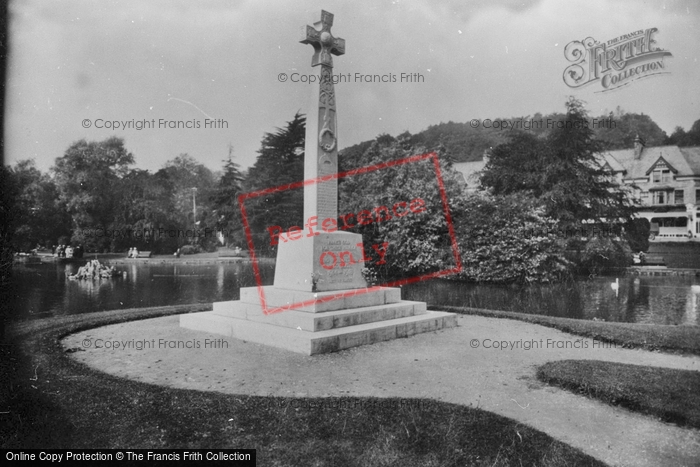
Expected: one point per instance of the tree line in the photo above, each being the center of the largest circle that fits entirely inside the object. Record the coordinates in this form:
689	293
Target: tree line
93	197
541	195
614	130
545	210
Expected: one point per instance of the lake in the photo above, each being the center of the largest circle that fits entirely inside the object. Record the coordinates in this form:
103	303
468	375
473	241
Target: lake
42	290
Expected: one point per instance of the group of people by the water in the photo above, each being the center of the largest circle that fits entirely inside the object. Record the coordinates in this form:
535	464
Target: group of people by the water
67	251
133	253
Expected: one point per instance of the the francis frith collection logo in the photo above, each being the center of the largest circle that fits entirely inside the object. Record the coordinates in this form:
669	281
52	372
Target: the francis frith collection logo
614	63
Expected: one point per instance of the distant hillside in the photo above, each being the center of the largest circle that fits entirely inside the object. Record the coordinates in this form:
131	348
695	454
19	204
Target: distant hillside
465	144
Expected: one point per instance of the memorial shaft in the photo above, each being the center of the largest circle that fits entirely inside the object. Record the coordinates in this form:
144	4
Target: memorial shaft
321	148
312	262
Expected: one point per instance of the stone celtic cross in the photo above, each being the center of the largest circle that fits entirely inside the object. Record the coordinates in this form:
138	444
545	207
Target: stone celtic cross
321	149
307	263
323	41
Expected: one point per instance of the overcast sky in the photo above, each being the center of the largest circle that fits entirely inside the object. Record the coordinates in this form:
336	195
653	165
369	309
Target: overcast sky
190	60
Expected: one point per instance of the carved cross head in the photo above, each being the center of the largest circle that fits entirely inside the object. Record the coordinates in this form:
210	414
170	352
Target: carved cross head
319	35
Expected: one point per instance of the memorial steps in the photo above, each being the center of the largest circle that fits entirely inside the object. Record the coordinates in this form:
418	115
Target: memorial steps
364	317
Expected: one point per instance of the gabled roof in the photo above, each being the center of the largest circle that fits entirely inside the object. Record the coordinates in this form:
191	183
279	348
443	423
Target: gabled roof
611	162
692	157
662	163
686	161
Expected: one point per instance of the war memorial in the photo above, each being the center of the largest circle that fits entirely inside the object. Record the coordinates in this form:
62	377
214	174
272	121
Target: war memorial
320	301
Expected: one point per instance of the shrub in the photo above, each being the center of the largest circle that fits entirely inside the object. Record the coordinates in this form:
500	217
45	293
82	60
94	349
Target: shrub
189	249
601	255
508	239
637	234
209	244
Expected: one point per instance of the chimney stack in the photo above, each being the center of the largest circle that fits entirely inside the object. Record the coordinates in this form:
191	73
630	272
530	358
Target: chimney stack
638	147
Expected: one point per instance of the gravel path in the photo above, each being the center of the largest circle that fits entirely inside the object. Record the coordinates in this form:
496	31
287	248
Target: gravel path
461	365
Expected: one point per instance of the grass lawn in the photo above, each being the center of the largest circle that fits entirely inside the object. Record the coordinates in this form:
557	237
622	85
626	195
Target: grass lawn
53	401
672	395
677	339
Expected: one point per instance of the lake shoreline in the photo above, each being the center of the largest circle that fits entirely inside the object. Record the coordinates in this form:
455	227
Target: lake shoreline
42	290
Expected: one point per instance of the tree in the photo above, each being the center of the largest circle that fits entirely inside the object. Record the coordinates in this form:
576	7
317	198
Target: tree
225	201
682	138
417	242
39	218
507	239
619	130
87	178
8	212
145	206
9	192
517	166
190	186
562	171
280	162
500	238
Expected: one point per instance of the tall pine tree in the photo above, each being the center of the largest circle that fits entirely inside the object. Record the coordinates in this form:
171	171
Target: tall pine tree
225	202
280	163
563	171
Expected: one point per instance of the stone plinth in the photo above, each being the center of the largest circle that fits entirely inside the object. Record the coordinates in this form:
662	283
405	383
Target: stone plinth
363	318
326	261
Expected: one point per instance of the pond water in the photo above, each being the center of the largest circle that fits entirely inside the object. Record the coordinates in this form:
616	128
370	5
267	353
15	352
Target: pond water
42	290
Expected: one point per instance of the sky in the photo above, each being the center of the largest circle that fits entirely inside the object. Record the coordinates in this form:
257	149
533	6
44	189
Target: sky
75	65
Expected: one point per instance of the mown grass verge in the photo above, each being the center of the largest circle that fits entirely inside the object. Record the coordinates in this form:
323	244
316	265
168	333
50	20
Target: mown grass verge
677	339
672	395
52	401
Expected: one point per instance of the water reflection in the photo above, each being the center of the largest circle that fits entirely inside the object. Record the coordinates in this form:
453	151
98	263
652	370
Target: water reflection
643	299
42	290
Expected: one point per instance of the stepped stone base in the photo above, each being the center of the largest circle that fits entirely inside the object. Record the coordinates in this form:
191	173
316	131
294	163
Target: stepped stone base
322	326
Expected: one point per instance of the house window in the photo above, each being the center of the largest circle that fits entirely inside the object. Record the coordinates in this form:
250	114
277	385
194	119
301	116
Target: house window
697	196
678	196
659	197
661	176
670	221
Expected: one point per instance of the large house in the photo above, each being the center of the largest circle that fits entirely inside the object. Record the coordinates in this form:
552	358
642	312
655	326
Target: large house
666	181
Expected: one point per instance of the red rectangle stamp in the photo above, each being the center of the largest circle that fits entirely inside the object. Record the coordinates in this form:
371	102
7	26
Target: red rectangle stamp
338	256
